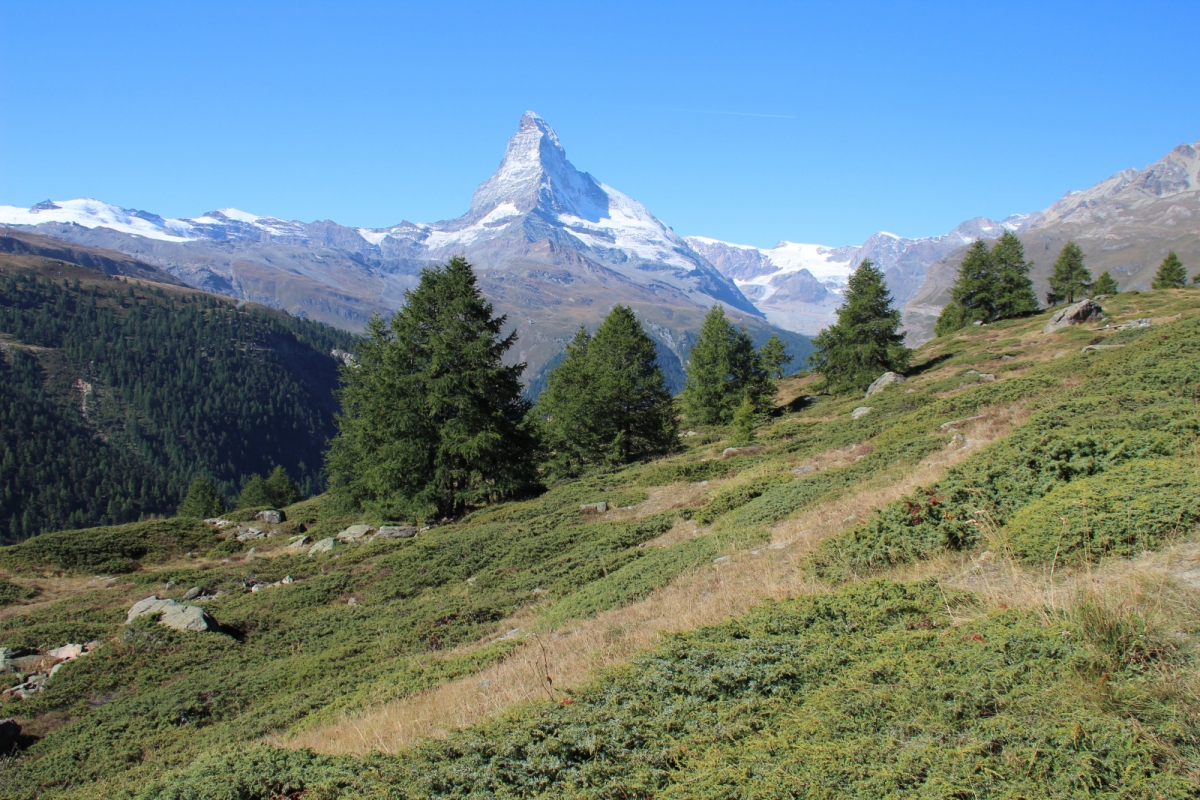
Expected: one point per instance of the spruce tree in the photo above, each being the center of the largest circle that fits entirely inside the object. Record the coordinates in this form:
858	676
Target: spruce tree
607	402
775	357
1070	279
973	298
1171	273
723	368
865	341
202	501
1104	285
433	422
281	489
1014	291
254	493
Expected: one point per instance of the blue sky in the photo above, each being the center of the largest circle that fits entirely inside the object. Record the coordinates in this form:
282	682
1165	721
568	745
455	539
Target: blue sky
750	122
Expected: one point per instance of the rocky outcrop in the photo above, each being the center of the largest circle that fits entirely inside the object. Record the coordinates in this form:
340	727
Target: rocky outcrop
883	381
1076	314
323	546
594	508
172	614
269	516
395	532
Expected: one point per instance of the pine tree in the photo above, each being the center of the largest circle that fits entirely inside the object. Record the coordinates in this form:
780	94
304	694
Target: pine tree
1070	278
432	420
1104	285
1014	291
1171	273
723	368
281	489
607	402
865	341
745	419
775	357
202	501
973	298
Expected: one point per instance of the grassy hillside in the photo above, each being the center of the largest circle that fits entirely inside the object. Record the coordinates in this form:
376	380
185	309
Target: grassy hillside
115	394
982	587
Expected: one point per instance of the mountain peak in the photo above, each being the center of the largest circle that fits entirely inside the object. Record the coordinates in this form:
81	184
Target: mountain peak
536	175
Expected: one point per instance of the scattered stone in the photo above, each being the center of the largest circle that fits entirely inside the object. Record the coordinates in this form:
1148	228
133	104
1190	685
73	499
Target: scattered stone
192	593
594	508
883	381
323	546
172	614
395	532
299	543
270	516
805	469
426	528
249	534
1076	314
355	534
353	601
956	442
691	433
170	584
10	731
1092	348
946	426
730	452
68	652
861	411
218	522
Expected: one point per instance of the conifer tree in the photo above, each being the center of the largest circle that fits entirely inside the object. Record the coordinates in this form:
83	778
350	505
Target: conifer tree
607	402
281	489
973	298
202	501
1171	273
1104	285
254	493
432	420
723	368
745	419
775	357
1014	291
865	341
1070	278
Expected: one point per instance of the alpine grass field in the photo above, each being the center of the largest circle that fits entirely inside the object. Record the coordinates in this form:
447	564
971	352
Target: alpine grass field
984	586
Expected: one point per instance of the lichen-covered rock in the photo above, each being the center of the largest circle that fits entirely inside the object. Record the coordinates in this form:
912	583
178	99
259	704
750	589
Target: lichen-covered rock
172	614
1076	314
861	411
395	532
883	381
355	534
323	546
270	516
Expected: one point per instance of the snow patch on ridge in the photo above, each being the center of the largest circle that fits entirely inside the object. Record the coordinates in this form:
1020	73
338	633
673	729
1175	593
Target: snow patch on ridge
90	213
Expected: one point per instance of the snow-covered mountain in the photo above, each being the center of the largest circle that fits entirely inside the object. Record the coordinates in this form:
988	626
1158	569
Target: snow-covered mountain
553	246
799	286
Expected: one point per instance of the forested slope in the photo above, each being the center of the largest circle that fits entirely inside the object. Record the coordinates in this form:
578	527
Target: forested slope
116	394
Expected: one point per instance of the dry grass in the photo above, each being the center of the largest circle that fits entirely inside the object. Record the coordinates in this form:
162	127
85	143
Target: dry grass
708	595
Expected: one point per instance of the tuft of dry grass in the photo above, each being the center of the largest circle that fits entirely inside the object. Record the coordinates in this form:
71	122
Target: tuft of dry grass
551	661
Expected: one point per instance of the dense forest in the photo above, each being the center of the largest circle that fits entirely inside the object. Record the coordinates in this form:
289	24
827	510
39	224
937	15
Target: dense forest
114	395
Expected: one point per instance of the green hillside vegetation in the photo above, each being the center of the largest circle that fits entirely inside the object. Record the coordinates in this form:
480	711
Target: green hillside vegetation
892	665
115	395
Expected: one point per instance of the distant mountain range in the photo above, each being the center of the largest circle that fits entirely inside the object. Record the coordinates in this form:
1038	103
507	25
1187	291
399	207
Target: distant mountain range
556	248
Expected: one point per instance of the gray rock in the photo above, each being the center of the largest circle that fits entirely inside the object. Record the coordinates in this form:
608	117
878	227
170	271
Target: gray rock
355	534
323	546
1076	314
270	516
594	508
883	381
1092	348
395	532
861	411
249	534
172	614
192	593
299	543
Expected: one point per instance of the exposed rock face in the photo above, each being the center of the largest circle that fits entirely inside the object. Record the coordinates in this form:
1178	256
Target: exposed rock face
172	614
1076	314
883	381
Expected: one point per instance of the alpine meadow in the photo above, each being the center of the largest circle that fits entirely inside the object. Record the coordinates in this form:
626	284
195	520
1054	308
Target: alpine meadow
555	497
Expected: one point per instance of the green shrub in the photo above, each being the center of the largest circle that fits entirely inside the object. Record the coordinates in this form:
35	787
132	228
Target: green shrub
11	593
692	471
729	498
228	547
110	550
1131	508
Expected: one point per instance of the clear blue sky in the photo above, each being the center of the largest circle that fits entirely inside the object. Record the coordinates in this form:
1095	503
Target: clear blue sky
907	117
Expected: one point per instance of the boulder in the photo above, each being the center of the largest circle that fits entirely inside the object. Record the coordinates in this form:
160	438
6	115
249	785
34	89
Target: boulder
1093	348
192	593
883	381
730	452
323	546
594	508
172	614
249	534
270	516
355	534
395	532
68	652
1076	314
861	411
299	543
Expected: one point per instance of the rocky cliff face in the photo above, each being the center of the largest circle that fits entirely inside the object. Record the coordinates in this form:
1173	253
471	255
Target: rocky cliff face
554	249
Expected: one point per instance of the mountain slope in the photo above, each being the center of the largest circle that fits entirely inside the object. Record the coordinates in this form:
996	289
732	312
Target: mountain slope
117	393
553	247
1125	224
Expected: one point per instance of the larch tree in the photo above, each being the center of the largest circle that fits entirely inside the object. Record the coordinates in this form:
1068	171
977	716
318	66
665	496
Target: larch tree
973	297
865	341
723	369
775	357
1014	291
203	501
1105	285
1171	273
1070	278
433	422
